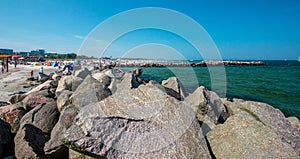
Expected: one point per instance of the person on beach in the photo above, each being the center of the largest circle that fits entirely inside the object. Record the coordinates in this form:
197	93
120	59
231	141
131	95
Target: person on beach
31	73
41	70
2	69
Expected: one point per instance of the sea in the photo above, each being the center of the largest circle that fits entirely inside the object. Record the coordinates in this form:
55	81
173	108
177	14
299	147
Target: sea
276	83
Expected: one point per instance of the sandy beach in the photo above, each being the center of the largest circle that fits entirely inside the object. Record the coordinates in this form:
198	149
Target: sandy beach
15	80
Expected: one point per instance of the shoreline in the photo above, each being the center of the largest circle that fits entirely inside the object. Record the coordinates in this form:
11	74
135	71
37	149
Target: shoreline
15	80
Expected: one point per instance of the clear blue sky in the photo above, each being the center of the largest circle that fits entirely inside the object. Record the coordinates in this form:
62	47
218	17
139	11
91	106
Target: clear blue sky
248	29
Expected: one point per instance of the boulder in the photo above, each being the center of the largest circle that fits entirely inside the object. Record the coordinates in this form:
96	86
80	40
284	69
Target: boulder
142	81
140	123
295	123
113	73
3	103
176	85
113	85
56	76
37	98
206	102
89	91
216	109
76	155
16	98
169	91
42	86
43	77
109	73
82	73
197	100
29	142
43	116
243	136
35	128
102	78
207	124
54	83
55	147
31	84
117	73
272	118
64	83
5	139
31	79
68	83
12	114
127	82
63	99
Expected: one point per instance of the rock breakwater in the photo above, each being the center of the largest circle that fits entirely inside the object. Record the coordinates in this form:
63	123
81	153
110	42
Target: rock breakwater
114	114
187	64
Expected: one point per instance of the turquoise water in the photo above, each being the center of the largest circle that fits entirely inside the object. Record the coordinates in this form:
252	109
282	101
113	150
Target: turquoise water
277	83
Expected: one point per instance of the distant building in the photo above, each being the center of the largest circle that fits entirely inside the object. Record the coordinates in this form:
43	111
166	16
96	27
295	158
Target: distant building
37	52
24	53
51	54
6	51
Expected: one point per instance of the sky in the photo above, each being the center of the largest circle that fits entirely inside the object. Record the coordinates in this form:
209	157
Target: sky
242	30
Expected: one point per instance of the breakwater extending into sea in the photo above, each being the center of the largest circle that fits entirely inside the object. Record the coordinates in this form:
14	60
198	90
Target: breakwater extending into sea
183	63
276	82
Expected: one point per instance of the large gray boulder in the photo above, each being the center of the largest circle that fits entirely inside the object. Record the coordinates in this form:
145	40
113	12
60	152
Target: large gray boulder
29	142
55	147
270	117
63	99
176	85
89	91
121	81
207	103
34	131
243	136
140	123
295	123
128	81
82	73
5	138
68	83
36	98
113	85
102	77
169	91
113	73
197	100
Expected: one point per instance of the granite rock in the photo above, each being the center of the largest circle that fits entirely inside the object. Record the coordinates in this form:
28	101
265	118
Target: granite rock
55	147
89	91
140	123
242	136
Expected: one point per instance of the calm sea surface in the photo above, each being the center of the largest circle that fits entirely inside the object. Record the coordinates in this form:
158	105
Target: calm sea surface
277	83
